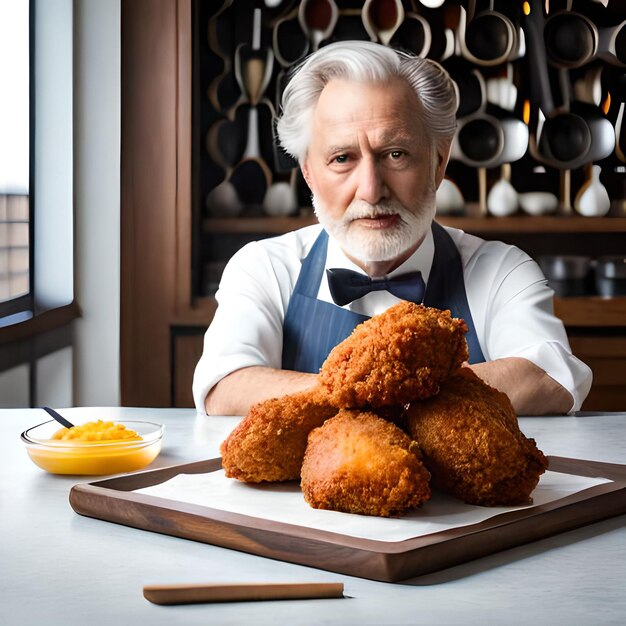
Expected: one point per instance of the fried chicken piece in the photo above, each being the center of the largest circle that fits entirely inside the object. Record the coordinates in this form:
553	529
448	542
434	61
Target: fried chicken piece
472	444
269	443
393	358
357	462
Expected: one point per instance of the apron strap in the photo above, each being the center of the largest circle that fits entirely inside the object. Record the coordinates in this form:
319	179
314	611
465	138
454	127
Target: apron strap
310	277
446	287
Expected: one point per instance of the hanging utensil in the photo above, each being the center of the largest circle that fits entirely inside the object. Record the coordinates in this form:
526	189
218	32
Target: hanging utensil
318	19
490	136
485	141
223	200
568	137
253	67
469	85
413	34
220	32
223	91
226	142
289	42
574	134
382	18
571	39
281	198
502	199
247	182
449	199
592	199
488	38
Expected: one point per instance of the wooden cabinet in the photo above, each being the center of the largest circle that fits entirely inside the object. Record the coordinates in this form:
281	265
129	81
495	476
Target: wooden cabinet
606	356
173	246
187	346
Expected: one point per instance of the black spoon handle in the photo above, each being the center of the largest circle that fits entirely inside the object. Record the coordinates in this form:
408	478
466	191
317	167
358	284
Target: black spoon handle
58	417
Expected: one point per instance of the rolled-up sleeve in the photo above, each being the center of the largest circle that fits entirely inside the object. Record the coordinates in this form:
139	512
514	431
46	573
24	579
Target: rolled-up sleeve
247	327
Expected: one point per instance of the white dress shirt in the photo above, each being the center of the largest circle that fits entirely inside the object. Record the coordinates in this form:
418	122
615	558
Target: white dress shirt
510	302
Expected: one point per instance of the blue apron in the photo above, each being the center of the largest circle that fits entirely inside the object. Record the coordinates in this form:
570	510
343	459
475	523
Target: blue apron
312	327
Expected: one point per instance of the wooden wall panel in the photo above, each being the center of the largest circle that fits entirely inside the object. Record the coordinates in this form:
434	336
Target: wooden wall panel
152	31
187	352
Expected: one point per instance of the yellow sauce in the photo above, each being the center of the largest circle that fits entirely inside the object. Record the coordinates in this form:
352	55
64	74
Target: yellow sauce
96	432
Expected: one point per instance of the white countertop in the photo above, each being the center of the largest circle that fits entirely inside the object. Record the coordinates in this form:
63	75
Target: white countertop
57	567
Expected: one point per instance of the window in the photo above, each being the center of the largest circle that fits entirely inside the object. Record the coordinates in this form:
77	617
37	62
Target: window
36	199
15	237
36	158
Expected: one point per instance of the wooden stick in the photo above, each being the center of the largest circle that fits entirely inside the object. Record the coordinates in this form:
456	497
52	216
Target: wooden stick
239	592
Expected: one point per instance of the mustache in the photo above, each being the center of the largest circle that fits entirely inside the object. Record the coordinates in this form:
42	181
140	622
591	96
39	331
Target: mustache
360	209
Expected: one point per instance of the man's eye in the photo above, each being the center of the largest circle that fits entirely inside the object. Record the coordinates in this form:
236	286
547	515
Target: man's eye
342	158
396	154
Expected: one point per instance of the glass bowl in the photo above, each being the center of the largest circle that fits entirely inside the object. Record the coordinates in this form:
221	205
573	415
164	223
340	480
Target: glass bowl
93	458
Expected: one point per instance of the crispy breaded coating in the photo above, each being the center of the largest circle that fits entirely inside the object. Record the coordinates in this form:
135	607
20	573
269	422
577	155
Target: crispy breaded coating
269	443
472	444
398	356
357	462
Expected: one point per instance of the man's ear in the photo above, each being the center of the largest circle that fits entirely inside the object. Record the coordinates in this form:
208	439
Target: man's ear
443	155
306	173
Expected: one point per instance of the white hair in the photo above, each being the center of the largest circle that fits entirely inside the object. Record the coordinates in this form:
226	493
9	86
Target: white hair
364	61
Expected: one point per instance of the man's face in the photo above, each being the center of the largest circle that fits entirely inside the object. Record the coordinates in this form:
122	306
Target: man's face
371	169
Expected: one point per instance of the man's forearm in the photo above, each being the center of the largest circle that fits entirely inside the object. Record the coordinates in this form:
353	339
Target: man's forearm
530	389
238	391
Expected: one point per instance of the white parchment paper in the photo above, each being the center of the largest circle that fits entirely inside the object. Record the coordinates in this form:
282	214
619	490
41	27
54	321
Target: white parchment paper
283	502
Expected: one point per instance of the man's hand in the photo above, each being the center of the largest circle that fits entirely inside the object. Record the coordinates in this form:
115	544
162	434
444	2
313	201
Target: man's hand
238	391
530	389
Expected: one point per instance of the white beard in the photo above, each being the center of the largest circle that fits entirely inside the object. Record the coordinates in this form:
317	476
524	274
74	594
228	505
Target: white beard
370	246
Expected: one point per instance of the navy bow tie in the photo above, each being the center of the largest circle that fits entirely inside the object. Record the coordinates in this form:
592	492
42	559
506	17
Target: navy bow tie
347	286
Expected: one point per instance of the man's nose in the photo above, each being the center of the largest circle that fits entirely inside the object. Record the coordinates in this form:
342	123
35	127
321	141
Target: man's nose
371	185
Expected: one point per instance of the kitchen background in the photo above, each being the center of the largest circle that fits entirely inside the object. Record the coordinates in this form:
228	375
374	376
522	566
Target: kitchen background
539	161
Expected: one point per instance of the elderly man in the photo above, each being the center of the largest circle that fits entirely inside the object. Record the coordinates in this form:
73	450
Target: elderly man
371	128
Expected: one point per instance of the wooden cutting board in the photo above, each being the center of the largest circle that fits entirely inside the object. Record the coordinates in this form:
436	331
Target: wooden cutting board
114	500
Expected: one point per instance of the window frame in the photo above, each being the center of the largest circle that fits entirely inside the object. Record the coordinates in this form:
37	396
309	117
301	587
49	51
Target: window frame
30	315
20	306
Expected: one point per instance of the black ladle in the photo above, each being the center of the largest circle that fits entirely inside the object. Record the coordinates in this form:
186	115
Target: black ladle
58	417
